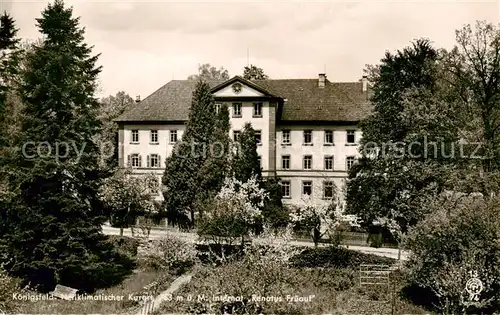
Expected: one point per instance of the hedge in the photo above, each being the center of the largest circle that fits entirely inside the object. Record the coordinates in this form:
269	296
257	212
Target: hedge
336	257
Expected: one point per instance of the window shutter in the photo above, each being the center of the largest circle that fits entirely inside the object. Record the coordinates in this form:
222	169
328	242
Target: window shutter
140	160
129	162
149	161
160	163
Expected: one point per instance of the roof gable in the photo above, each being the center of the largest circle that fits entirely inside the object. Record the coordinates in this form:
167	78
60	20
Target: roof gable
240	87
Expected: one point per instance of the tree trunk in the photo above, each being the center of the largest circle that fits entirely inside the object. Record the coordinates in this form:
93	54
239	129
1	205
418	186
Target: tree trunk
121	231
316	236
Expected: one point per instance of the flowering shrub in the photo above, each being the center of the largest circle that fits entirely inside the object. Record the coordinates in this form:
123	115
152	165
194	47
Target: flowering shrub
169	253
320	219
128	196
460	237
230	215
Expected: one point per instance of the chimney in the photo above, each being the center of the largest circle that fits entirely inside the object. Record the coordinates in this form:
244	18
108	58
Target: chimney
137	98
364	81
321	80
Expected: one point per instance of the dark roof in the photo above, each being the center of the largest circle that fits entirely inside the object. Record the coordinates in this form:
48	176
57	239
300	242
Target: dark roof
303	100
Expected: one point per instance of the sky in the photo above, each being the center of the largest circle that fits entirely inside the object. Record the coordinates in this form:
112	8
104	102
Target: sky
145	44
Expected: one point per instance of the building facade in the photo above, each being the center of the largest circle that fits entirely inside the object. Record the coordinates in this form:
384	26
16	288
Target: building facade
306	129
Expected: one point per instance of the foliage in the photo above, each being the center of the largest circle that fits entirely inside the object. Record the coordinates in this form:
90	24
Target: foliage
246	162
253	72
392	181
125	245
233	211
336	257
273	212
169	253
9	65
263	272
472	69
207	72
318	219
127	196
460	236
111	108
215	168
182	178
53	223
8	287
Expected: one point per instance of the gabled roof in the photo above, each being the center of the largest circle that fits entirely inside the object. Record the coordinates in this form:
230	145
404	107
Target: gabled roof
244	81
302	100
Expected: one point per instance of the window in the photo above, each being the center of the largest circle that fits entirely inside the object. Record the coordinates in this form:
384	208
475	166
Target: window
259	158
258	137
217	108
308	162
285	189
135	160
351	138
154	136
307	188
236	109
285	137
308	137
236	135
349	162
257	109
328	190
154	160
328	137
329	163
285	162
173	136
135	136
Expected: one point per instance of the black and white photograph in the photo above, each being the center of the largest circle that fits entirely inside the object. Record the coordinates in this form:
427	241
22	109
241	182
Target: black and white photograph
283	157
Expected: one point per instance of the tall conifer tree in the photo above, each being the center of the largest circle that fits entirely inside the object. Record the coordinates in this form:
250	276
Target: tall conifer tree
8	64
246	162
55	233
182	178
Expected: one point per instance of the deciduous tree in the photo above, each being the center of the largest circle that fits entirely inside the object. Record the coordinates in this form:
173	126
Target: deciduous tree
111	108
253	72
128	196
207	72
390	182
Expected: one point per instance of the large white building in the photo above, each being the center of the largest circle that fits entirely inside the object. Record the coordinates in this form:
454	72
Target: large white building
308	128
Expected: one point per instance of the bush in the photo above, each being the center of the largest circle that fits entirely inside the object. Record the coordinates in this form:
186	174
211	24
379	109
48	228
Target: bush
263	272
460	236
8	287
217	253
169	254
336	257
125	245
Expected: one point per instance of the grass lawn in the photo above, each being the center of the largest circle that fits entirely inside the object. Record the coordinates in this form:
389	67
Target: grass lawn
136	284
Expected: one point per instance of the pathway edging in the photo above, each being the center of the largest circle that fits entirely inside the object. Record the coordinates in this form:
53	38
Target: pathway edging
152	306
